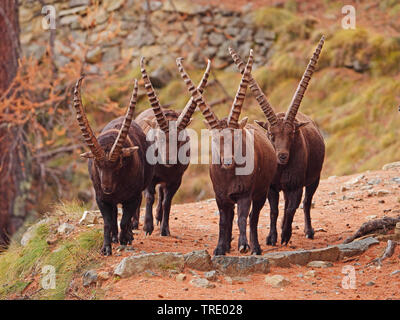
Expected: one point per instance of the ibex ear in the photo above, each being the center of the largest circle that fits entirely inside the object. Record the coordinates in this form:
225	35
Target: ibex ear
261	124
299	125
243	122
127	152
87	155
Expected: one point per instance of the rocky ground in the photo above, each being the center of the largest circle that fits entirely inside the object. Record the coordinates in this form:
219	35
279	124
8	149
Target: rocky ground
180	267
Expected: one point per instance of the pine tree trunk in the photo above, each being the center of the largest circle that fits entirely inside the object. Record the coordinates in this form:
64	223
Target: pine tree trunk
9	155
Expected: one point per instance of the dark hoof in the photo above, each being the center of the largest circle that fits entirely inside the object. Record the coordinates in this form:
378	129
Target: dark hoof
165	233
256	251
310	234
106	250
135	226
271	240
244	248
219	251
148	229
286	235
125	239
285	240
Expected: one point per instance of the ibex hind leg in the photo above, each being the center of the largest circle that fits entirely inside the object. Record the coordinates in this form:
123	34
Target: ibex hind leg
114	228
136	216
243	209
254	216
169	192
148	219
159	210
128	210
310	190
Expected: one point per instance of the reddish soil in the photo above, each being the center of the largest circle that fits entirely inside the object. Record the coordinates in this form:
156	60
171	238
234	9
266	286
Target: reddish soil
194	226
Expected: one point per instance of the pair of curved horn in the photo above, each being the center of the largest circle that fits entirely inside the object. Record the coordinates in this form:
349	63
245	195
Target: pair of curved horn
187	112
190	107
255	88
90	139
197	97
298	97
237	105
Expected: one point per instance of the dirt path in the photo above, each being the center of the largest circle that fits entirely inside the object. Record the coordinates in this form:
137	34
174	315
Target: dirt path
195	226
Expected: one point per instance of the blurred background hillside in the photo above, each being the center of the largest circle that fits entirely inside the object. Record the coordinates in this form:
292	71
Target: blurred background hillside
353	96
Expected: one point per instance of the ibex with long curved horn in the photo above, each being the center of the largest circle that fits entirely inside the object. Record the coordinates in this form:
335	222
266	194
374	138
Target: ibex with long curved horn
168	174
246	188
300	151
117	167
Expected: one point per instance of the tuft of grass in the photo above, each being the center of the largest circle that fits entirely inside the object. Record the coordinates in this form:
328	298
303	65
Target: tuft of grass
273	18
19	266
378	53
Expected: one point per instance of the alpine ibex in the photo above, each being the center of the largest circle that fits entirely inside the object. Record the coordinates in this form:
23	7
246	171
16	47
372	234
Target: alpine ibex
117	167
300	151
169	173
246	190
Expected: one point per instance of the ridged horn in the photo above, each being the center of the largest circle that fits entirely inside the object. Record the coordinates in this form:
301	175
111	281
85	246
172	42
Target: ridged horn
237	105
123	132
257	92
302	87
87	133
190	107
155	103
205	109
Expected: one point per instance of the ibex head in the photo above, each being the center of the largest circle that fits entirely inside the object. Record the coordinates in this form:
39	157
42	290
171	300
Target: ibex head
282	128
113	148
225	127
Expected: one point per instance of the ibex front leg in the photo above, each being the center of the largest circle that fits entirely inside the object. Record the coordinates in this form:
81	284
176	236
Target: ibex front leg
108	213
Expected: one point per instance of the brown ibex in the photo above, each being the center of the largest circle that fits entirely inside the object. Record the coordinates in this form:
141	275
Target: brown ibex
248	189
117	167
300	151
168	174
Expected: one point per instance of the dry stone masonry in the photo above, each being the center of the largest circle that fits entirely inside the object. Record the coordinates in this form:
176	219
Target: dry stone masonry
127	29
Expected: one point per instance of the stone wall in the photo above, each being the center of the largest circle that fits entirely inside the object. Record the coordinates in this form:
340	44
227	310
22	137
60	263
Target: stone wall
104	31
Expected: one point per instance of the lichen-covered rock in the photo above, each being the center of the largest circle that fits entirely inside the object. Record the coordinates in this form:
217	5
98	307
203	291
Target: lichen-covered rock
30	233
356	247
302	257
140	263
198	260
236	266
